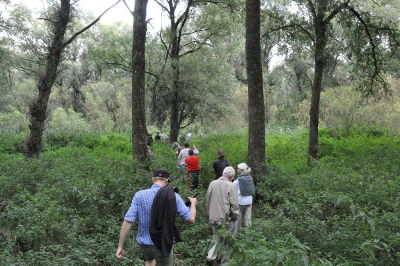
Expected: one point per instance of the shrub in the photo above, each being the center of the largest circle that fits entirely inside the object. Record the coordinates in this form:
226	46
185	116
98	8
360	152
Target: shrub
66	207
13	123
63	126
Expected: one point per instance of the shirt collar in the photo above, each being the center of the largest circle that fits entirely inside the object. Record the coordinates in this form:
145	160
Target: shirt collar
156	186
223	178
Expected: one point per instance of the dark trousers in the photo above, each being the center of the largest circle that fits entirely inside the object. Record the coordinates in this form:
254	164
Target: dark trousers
194	177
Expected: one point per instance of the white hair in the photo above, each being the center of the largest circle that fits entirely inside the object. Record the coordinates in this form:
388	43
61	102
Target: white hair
228	171
244	167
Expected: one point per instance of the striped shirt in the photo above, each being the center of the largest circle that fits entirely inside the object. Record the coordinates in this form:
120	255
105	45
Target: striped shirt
141	210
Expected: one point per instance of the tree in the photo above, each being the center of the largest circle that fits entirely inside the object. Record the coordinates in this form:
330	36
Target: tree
38	109
318	23
185	36
256	145
139	130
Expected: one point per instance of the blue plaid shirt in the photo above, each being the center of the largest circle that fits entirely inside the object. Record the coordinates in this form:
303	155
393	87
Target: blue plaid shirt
141	209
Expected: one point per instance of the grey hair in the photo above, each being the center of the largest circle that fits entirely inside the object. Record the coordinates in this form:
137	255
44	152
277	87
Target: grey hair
228	171
243	166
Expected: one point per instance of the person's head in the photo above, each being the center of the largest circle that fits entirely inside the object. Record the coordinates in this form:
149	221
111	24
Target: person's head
175	145
243	168
229	172
220	154
186	144
161	177
191	153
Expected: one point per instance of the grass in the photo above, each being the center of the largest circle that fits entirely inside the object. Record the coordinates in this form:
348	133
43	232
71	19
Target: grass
66	207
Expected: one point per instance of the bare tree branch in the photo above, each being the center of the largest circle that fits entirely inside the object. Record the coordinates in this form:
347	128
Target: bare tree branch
189	123
376	3
152	74
195	31
308	33
371	41
183	18
75	2
167	48
124	67
126	4
87	27
47	19
161	5
336	11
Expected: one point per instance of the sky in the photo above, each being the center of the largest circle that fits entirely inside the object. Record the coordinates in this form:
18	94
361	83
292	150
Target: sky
116	14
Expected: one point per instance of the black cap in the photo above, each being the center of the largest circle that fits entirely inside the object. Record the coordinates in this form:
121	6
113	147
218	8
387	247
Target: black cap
161	173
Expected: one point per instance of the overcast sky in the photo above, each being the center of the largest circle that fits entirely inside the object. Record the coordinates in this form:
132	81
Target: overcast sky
118	13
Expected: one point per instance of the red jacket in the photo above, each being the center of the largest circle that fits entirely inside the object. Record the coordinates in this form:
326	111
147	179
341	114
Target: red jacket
192	163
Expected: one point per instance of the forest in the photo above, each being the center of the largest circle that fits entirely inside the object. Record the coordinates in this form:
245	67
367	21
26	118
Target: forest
306	92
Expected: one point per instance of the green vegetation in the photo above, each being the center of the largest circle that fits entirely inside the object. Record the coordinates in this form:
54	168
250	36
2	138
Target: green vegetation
66	207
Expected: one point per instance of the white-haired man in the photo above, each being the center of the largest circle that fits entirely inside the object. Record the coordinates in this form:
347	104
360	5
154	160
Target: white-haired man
223	211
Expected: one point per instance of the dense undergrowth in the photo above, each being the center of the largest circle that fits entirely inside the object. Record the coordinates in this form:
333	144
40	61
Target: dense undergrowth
66	207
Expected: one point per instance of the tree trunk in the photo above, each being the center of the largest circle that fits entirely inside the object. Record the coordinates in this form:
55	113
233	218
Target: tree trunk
320	61
256	145
38	110
139	130
174	118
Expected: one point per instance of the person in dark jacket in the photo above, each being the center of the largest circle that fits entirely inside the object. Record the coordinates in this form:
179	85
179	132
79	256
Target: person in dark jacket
163	230
141	209
149	139
220	164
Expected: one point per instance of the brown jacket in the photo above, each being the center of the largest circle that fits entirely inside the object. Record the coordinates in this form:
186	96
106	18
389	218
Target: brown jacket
222	200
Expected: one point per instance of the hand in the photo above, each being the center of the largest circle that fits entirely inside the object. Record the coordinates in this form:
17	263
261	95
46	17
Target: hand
120	253
194	147
193	201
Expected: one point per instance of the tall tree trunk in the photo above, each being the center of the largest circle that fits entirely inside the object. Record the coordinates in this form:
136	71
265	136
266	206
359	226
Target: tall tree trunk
174	55
139	130
38	110
319	64
256	145
174	118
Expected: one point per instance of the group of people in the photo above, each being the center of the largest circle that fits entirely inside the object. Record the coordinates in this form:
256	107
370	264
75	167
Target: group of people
229	203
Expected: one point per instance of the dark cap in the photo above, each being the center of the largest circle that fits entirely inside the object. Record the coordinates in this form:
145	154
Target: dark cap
161	173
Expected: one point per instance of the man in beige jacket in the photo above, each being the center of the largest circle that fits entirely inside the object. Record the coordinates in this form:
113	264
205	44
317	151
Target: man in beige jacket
223	211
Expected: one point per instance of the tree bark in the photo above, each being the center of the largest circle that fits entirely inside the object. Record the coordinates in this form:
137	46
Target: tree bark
174	55
174	118
320	29
139	130
38	110
256	144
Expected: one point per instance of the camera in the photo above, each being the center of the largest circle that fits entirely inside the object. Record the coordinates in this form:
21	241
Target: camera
187	202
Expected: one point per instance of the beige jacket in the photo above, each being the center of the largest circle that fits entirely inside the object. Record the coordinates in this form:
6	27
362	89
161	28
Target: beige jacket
222	200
